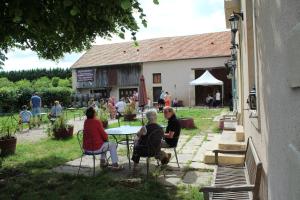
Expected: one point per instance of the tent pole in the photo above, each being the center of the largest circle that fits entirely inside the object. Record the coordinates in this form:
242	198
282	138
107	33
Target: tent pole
189	96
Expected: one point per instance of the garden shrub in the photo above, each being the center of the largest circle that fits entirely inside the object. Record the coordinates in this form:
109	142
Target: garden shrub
62	94
8	100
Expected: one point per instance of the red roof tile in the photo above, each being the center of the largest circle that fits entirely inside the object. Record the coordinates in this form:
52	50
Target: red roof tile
157	49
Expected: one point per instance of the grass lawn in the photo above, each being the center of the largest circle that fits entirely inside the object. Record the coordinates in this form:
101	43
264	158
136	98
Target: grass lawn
11	121
28	175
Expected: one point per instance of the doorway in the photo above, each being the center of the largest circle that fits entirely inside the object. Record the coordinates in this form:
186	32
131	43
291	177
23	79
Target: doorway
156	93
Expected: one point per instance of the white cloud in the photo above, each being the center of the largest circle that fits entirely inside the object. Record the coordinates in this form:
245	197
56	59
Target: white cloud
169	18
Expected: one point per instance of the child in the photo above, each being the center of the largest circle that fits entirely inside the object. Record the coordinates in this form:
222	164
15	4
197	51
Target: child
25	116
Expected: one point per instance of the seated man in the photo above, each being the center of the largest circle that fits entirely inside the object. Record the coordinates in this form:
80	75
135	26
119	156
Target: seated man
151	134
121	105
95	140
25	116
56	111
173	129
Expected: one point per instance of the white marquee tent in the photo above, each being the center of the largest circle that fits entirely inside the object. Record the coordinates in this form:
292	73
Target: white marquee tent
207	79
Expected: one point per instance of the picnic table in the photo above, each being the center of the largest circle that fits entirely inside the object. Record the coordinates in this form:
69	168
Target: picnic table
126	131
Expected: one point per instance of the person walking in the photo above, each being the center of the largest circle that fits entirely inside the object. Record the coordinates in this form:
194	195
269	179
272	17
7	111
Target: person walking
36	104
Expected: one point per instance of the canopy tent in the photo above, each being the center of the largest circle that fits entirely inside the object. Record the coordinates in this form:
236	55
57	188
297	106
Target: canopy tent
208	79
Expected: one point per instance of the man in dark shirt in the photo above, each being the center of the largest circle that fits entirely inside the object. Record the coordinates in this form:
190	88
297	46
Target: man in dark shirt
173	129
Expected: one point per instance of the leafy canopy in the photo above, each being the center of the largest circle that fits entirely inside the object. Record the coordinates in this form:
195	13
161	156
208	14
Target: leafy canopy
54	27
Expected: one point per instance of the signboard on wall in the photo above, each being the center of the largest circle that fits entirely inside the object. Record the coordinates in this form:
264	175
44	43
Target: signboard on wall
84	75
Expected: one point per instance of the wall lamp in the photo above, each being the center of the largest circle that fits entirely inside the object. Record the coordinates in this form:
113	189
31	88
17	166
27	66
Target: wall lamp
234	21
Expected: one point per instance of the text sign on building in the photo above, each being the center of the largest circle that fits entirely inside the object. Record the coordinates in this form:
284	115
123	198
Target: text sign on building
84	75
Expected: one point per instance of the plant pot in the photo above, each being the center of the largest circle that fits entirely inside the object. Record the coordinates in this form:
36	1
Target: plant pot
105	124
129	117
187	123
64	133
8	145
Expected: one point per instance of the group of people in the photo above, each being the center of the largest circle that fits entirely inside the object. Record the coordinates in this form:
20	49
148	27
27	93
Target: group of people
213	101
149	141
164	100
33	117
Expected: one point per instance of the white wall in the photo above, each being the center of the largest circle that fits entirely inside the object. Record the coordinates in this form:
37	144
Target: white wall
179	73
276	131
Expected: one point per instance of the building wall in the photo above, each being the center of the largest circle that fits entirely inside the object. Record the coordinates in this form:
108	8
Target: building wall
176	76
276	130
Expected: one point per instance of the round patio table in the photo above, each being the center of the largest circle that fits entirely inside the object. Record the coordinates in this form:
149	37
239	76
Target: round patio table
124	131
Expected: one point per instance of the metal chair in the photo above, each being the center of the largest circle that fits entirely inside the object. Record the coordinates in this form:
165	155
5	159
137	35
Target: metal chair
175	152
153	148
80	134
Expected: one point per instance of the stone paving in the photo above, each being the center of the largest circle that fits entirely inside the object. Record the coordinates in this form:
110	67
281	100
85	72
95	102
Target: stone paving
190	152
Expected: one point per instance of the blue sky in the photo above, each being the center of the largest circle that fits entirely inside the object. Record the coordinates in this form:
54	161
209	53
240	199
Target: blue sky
169	18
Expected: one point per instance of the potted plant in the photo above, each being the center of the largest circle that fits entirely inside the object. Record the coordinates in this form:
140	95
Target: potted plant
8	141
60	129
130	112
104	115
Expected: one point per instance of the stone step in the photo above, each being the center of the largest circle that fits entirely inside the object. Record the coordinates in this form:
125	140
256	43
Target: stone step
228	159
240	133
232	146
230	124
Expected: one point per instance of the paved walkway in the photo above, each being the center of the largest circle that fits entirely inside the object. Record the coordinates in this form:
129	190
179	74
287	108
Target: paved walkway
192	170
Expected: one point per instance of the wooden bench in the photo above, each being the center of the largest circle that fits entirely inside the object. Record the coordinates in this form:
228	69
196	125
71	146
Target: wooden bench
238	182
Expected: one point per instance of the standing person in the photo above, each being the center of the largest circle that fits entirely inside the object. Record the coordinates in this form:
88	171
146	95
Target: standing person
95	139
36	104
218	98
173	129
167	100
111	108
161	101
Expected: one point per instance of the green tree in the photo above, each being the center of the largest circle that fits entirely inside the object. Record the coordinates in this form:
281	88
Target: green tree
43	82
24	83
65	82
4	82
52	28
55	81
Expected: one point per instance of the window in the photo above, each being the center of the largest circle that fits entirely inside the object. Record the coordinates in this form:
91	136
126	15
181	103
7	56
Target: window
157	78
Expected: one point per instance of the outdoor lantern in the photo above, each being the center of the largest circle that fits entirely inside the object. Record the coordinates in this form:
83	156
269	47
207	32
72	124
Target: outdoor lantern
252	99
234	21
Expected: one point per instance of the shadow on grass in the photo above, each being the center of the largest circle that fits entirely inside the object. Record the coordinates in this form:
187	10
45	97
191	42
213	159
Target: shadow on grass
35	180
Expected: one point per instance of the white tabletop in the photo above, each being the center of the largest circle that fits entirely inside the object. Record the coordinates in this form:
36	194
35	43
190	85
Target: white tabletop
123	130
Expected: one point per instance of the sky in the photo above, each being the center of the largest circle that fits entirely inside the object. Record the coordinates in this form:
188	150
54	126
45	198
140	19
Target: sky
169	18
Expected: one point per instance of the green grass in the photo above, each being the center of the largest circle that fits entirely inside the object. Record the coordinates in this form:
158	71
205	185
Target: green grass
28	175
11	121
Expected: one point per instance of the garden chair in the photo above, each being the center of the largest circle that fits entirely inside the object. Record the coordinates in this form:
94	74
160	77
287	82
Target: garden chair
84	153
175	152
153	150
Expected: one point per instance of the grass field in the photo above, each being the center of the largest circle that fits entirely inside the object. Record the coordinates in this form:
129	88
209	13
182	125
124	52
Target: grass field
28	175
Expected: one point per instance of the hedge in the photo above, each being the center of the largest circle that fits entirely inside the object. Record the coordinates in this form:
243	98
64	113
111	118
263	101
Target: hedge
11	99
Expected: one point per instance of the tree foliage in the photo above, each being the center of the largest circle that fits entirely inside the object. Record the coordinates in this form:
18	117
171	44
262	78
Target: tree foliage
34	74
52	28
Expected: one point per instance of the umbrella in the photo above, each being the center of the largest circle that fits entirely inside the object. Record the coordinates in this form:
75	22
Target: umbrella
142	95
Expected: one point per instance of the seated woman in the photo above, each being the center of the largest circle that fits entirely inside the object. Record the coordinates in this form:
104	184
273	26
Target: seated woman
151	134
56	111
25	116
95	140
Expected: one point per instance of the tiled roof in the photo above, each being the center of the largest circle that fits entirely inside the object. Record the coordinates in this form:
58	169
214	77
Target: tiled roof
157	49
